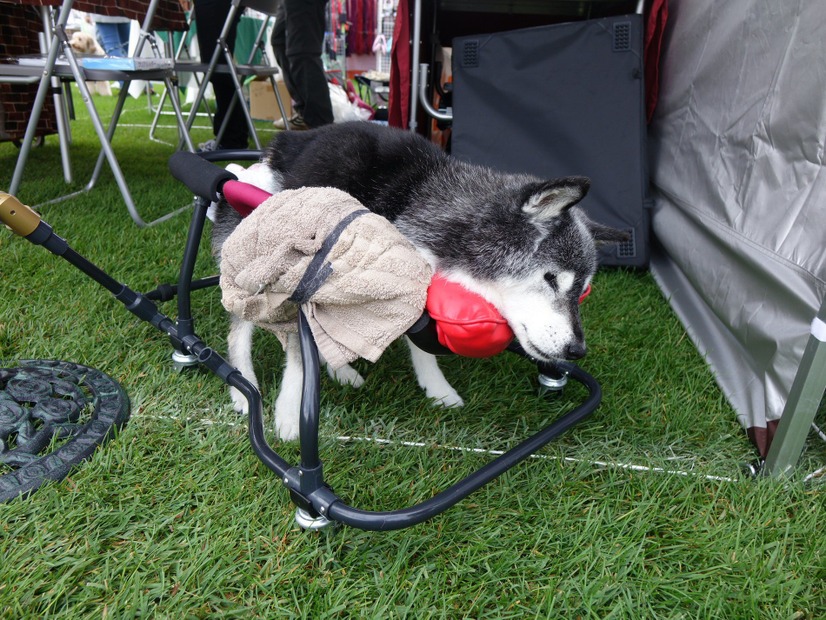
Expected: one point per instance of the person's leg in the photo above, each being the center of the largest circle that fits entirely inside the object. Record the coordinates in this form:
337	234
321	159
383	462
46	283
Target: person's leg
305	36
279	48
210	16
124	30
113	37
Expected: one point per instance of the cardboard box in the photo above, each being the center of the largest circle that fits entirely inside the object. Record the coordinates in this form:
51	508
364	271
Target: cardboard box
263	106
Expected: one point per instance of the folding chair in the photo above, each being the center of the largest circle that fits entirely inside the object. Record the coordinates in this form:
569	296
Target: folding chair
61	63
19	20
238	72
184	63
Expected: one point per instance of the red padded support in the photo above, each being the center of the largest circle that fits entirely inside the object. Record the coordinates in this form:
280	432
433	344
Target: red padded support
466	323
244	197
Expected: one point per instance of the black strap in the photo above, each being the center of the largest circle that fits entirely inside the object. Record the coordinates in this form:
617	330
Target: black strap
318	271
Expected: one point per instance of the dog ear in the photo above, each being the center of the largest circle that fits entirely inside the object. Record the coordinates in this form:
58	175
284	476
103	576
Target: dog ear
548	199
605	234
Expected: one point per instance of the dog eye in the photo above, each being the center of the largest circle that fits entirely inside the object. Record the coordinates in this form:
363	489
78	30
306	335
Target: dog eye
551	279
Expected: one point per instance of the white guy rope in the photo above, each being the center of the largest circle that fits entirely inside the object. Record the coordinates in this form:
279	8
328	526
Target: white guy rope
494	453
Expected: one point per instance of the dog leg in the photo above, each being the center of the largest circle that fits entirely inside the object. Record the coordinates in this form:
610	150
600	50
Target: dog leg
288	403
240	356
431	379
346	375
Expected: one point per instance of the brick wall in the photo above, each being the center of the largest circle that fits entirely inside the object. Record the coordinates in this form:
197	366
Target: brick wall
168	15
18	35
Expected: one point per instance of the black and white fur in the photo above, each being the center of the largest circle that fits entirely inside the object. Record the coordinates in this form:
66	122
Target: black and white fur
516	240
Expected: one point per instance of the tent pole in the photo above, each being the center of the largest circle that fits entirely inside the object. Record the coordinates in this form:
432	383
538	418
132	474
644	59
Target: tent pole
802	404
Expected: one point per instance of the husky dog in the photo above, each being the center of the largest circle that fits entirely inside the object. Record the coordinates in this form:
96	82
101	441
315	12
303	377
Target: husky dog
516	240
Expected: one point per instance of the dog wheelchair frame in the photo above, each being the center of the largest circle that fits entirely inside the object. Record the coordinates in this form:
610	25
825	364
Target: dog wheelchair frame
316	503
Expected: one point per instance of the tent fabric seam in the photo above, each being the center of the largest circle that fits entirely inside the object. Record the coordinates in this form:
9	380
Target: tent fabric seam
724	227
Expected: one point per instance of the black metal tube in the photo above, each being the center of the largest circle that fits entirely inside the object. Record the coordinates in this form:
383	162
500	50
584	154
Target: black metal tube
57	245
93	271
165	292
398	519
233	377
262	449
186	324
136	303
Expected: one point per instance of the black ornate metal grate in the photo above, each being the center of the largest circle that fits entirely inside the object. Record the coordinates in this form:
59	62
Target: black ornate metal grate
53	414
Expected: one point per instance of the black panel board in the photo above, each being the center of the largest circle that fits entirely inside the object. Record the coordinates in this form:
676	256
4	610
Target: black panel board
558	100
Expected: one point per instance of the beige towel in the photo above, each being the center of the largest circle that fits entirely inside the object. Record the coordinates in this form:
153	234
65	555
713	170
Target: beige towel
375	292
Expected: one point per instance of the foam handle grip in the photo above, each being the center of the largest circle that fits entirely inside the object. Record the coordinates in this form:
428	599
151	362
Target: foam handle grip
202	177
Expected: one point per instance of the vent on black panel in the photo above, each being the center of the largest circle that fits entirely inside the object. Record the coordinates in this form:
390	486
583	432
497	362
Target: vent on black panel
628	249
622	36
470	53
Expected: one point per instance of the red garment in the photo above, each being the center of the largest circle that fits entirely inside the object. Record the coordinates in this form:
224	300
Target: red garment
657	15
361	26
398	105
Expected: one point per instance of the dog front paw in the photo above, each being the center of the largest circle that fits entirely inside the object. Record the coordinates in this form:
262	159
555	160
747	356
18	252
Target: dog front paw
286	425
450	399
346	375
287	414
239	402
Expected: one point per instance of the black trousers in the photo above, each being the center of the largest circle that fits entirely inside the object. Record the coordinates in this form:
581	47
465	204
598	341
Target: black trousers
210	16
296	41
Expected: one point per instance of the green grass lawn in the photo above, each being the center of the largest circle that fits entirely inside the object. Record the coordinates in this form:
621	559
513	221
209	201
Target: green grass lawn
177	518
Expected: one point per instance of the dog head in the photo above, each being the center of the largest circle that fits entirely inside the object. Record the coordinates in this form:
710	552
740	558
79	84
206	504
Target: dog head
84	43
532	254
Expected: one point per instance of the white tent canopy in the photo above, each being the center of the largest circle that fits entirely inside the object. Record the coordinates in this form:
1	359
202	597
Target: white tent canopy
737	155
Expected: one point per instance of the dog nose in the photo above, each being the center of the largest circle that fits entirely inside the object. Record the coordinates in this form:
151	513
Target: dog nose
575	351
